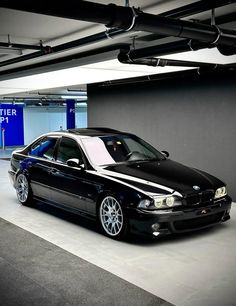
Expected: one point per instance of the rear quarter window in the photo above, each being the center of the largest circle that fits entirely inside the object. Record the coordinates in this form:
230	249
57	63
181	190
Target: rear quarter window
43	148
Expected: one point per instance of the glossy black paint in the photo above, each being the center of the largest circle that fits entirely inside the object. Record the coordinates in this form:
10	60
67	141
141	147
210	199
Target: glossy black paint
81	189
169	173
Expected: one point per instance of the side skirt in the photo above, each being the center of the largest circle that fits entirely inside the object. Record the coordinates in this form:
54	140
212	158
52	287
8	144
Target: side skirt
69	209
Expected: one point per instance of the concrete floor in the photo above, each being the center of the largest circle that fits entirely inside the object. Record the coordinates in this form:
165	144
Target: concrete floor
187	270
6	153
37	272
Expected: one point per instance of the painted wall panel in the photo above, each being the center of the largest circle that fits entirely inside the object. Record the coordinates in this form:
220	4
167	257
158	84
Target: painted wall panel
44	119
11	122
193	118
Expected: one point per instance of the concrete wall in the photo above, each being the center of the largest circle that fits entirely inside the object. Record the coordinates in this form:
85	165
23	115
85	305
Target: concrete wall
193	118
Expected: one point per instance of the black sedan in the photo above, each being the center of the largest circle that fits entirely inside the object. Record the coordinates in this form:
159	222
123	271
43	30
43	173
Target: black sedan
119	180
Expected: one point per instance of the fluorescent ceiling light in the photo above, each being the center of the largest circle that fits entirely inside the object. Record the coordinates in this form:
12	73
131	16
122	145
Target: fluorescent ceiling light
93	73
204	55
104	71
81	104
75	97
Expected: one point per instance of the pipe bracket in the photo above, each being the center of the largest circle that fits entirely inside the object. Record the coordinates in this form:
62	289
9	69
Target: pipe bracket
107	34
129	58
219	33
190	45
135	15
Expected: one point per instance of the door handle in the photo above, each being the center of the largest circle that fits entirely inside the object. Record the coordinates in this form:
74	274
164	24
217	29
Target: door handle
30	164
53	171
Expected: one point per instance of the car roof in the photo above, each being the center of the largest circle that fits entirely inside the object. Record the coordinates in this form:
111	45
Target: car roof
95	131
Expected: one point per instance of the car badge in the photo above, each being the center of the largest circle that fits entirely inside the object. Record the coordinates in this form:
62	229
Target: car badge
195	187
203	212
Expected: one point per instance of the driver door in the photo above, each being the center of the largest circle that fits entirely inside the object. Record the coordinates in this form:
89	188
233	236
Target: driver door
71	190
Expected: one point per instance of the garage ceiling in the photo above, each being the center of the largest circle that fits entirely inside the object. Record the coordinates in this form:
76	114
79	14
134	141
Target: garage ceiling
45	56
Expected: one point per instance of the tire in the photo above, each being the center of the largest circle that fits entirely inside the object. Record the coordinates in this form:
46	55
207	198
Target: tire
23	190
112	219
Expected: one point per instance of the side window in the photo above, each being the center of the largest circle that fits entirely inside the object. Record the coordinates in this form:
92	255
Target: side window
34	149
47	146
43	148
68	148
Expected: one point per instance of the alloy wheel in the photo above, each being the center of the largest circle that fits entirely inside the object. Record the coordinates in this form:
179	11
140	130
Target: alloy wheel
22	188
111	216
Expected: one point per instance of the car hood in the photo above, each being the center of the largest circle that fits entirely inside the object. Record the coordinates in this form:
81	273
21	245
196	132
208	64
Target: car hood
163	176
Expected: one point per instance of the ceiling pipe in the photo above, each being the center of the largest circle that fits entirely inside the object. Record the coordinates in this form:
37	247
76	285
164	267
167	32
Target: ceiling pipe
181	45
23	46
191	73
219	20
164	49
196	7
45	51
128	18
95	38
68	59
110	33
78	9
226	18
161	62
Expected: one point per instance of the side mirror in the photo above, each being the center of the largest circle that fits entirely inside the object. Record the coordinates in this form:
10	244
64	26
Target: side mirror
73	162
165	153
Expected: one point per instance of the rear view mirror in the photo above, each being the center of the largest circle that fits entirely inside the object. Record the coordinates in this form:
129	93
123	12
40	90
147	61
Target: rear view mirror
165	153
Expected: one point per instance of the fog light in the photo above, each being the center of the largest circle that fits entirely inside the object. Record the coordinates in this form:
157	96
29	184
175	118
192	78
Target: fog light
155	226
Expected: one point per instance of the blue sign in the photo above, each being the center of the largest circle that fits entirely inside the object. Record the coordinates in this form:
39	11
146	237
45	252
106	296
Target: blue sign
12	123
70	114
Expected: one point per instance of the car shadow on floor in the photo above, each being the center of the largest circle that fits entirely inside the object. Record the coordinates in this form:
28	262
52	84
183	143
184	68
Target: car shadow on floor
134	239
175	238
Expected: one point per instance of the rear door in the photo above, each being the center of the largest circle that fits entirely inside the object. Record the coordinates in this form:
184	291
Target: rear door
39	166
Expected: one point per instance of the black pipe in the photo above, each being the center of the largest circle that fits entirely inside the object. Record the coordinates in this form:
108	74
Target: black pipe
161	62
79	9
182	45
63	47
195	8
226	18
184	29
219	20
26	57
171	48
22	46
191	73
68	58
127	18
164	49
94	38
179	12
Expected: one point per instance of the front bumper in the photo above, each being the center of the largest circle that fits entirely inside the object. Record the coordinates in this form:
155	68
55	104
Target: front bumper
163	222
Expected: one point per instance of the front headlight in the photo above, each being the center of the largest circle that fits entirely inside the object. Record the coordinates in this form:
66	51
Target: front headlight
220	192
166	202
160	202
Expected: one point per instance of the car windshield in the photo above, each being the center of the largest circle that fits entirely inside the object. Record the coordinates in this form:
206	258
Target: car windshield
106	150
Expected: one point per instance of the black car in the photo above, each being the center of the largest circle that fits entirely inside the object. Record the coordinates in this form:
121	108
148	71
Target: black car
119	180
